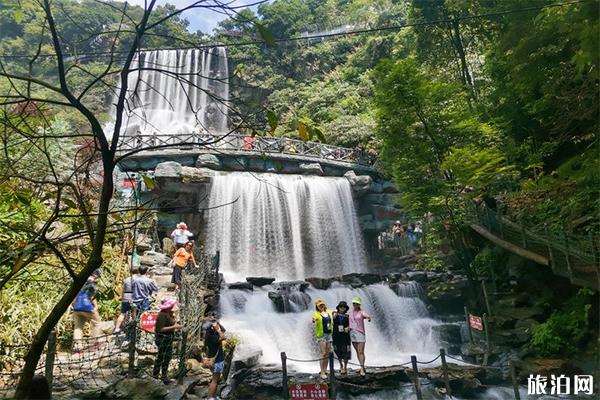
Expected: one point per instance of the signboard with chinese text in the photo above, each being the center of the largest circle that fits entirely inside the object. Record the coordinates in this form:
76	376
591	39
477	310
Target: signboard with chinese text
148	321
309	391
475	322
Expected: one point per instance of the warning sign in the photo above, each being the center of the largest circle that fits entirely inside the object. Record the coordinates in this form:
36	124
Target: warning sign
475	322
309	391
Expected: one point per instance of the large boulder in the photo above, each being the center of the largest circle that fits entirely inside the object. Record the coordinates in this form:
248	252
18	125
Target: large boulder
311	169
167	169
246	356
320	283
357	280
153	258
208	161
196	175
260	281
137	389
241	286
361	184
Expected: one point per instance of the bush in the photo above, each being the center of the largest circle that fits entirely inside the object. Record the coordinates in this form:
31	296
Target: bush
566	328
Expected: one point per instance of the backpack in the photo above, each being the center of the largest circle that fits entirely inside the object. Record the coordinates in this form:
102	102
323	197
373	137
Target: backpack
83	301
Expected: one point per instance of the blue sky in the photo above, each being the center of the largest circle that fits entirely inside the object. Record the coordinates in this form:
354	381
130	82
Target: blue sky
200	19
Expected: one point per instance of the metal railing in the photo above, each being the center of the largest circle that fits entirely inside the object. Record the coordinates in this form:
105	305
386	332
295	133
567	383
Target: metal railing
247	144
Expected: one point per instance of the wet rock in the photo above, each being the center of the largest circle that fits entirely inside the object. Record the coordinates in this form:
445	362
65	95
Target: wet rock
137	389
292	301
246	356
357	280
311	169
153	258
419	276
167	169
241	286
464	381
511	337
196	175
388	187
361	184
376	188
208	161
449	337
522	312
291	285
320	283
260	281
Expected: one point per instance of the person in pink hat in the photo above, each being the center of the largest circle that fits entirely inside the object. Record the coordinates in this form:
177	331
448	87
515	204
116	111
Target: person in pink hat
165	331
181	235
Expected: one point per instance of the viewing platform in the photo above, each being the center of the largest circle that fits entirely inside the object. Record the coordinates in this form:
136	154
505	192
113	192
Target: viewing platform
242	152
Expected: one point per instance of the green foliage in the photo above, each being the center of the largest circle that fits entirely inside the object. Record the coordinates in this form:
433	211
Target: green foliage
566	328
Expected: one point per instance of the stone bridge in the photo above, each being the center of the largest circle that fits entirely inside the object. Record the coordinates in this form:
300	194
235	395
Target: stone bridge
183	166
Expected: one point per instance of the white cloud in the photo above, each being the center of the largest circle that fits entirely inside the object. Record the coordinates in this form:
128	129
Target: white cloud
200	18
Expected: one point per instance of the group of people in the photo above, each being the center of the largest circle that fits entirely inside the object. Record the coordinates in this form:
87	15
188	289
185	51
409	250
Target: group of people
340	328
399	234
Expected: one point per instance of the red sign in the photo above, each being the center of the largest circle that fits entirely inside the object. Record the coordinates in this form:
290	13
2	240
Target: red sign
129	183
475	322
309	391
148	321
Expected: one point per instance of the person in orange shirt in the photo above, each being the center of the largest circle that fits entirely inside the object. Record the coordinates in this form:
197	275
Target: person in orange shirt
183	256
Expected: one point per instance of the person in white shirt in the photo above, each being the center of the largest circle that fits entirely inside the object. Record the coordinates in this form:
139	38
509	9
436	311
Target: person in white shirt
181	235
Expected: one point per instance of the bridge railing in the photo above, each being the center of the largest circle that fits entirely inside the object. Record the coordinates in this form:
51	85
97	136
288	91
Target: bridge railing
249	144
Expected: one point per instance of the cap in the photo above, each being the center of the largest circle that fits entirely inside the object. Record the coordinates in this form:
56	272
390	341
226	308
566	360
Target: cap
319	302
167	304
356	300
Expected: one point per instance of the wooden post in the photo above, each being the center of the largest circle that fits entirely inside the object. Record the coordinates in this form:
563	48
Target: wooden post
284	376
486	298
523	236
182	353
515	383
132	340
50	355
445	372
332	388
413	360
486	330
468	325
550	253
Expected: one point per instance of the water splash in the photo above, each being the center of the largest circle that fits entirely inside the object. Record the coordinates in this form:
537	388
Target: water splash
174	92
284	226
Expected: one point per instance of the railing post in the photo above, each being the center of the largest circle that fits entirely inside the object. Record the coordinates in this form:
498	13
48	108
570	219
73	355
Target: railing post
567	256
523	236
132	342
413	360
445	372
50	355
513	378
468	325
182	353
550	252
486	330
332	388
284	377
486	298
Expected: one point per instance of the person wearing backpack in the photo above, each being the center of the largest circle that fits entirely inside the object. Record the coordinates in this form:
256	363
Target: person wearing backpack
85	309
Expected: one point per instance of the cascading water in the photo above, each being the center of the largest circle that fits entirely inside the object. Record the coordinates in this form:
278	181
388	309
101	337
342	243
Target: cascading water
283	226
400	325
174	92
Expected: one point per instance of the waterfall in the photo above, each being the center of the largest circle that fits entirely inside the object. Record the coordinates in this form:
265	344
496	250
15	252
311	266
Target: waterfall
283	226
400	326
174	92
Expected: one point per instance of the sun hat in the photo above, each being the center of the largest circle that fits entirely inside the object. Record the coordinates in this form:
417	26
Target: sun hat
342	304
356	300
181	225
319	302
167	304
398	222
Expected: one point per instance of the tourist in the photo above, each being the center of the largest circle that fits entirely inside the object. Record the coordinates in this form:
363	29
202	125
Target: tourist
85	309
184	257
142	288
357	331
165	331
323	321
341	336
126	298
213	341
410	233
181	235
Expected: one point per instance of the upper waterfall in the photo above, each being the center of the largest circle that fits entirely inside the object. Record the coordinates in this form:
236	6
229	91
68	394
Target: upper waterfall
176	92
285	226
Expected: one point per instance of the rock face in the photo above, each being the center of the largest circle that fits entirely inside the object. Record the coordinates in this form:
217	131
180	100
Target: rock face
357	280
320	283
153	258
167	169
260	281
311	169
137	389
241	286
360	183
196	175
208	161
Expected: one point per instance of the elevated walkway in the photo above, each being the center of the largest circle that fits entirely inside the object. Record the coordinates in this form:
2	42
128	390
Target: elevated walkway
570	256
143	152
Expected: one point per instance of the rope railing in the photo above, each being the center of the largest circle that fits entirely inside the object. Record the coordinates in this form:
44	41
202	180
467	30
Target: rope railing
247	144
